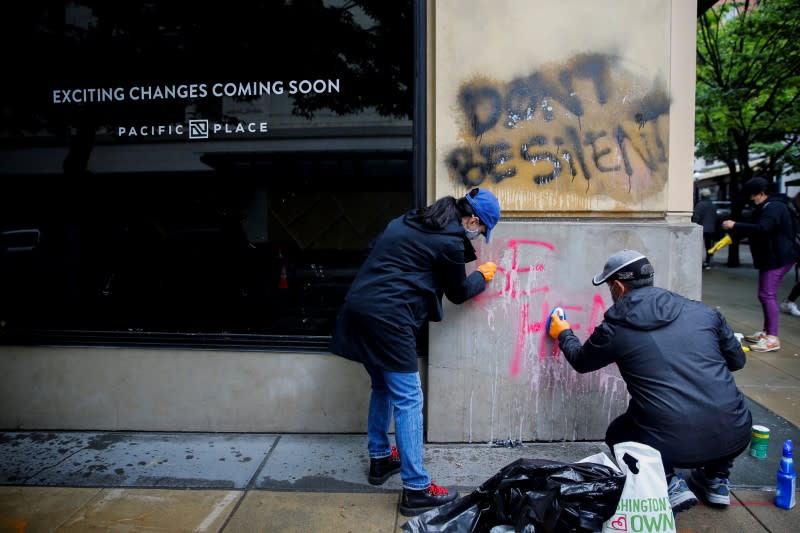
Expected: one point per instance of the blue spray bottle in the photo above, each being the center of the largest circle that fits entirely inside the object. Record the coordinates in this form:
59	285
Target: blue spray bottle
786	479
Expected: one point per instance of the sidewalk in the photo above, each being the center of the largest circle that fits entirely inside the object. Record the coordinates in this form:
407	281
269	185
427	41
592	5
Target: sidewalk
176	482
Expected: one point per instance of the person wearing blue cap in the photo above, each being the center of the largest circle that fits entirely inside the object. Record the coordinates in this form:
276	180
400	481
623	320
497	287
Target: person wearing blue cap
419	258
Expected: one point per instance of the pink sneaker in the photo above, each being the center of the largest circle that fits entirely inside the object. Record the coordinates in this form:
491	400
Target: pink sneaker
769	343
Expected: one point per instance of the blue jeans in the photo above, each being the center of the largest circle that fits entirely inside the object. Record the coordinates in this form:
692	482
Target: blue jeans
768	285
398	394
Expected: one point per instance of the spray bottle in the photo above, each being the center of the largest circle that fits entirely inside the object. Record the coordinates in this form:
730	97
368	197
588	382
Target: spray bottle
786	479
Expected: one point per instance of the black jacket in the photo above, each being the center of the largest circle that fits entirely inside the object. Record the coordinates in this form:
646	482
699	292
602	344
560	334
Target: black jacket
676	356
399	288
705	214
771	235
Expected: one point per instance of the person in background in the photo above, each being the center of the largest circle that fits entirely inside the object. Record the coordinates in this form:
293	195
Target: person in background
771	237
684	401
705	214
419	258
789	305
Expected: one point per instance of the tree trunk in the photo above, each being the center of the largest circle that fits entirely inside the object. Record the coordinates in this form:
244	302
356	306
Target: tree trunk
733	252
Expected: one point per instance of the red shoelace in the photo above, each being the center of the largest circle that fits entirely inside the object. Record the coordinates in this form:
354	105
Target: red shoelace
395	454
437	490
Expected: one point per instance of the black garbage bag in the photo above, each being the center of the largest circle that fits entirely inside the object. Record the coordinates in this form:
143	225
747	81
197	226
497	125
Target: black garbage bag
533	496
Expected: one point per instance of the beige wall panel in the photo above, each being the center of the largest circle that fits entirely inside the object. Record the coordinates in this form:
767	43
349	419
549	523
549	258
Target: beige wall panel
682	93
559	107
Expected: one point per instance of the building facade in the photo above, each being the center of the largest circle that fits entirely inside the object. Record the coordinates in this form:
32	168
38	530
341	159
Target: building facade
186	197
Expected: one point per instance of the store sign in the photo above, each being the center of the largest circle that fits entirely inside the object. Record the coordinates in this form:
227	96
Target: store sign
196	128
193	91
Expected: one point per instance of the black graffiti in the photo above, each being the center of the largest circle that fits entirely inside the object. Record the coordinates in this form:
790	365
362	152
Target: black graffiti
590	140
495	162
473	100
539	155
473	171
487	107
572	133
483	105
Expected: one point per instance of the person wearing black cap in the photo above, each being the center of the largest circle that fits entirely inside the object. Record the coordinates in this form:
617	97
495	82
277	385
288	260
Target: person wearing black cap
419	258
771	238
676	356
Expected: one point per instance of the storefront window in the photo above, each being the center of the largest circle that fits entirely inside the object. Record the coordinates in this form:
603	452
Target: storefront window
175	174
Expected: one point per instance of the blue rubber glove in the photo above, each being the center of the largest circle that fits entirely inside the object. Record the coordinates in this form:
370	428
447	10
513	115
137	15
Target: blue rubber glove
556	323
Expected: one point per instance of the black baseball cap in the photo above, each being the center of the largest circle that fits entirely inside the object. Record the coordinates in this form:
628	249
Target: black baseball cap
755	186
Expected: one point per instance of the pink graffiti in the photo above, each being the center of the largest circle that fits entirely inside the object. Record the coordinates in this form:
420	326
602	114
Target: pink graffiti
596	315
509	288
547	347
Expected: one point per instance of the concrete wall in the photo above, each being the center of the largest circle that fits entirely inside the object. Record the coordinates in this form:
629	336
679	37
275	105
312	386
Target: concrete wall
180	390
494	372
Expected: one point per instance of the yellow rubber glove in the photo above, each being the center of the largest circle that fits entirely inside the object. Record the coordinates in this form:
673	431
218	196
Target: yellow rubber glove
722	243
557	324
487	269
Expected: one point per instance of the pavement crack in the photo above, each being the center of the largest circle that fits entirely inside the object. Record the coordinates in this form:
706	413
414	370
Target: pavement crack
251	482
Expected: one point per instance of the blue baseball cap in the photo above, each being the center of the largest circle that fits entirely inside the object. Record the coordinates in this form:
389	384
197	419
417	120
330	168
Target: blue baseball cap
486	208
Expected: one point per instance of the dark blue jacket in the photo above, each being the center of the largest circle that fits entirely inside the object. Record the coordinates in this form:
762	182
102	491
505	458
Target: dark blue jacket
771	235
399	288
676	356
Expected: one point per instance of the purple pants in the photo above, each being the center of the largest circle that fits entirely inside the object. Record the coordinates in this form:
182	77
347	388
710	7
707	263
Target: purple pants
768	284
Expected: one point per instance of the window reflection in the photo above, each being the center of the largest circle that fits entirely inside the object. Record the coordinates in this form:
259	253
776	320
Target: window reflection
175	173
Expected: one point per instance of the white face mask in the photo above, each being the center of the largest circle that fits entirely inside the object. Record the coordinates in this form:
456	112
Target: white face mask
472	234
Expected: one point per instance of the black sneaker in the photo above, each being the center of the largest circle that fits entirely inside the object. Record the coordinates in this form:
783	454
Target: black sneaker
715	489
382	469
414	502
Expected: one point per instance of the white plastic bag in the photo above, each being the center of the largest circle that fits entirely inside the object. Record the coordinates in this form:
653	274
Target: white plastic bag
602	459
644	504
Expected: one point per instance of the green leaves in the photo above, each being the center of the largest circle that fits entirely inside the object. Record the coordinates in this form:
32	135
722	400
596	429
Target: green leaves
748	84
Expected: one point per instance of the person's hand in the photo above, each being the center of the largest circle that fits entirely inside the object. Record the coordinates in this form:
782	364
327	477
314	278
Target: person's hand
557	323
487	269
728	224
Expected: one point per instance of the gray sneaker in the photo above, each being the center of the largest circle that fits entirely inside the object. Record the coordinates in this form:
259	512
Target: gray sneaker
681	497
715	490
